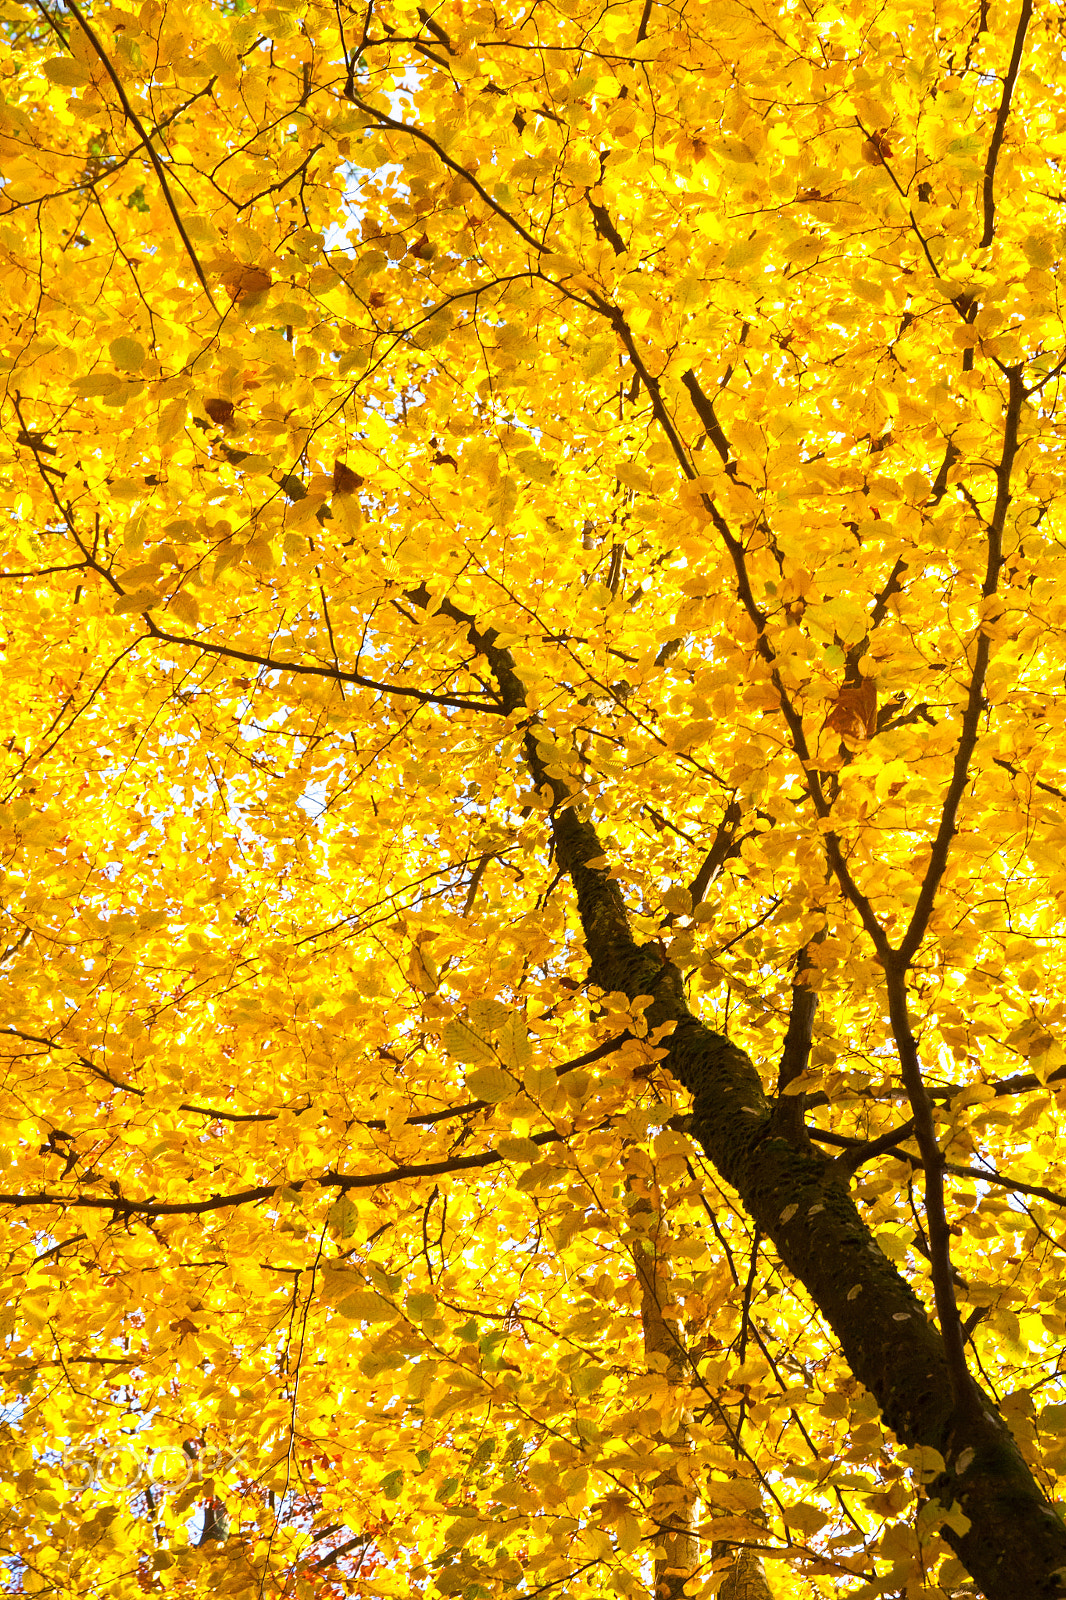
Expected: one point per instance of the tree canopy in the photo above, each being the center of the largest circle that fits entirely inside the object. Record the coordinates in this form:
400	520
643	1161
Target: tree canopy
533	845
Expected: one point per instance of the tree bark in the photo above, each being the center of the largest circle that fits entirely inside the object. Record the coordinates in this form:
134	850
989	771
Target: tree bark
747	1578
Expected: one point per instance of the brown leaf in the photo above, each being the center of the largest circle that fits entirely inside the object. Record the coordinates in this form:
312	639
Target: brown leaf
345	481
240	281
611	1507
854	714
423	248
220	411
877	149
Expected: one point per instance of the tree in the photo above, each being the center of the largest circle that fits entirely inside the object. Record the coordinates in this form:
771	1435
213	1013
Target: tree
531	949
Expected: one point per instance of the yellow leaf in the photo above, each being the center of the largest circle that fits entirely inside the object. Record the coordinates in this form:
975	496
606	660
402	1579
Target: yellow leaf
139	600
66	71
490	1083
508	398
513	1044
171	420
461	1041
185	606
127	354
807	1518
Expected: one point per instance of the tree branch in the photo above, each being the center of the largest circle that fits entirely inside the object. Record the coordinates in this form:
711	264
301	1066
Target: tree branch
963	1391
424	696
359	1542
865	1150
157	165
711	426
722	847
120	1206
420	1120
869	1149
883	1330
971	718
788	1112
988	187
1021	1083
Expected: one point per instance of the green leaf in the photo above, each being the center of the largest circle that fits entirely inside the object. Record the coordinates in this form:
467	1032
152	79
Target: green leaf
515	1149
97	385
288	314
127	354
539	1081
366	1306
586	1380
140	600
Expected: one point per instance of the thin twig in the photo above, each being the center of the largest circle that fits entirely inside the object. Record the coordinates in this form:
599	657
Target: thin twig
425	1119
383	120
423	696
745	1314
981	1174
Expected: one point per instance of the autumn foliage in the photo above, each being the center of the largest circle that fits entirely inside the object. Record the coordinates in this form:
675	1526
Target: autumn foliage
533	852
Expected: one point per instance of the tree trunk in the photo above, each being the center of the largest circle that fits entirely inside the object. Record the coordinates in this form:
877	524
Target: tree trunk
1015	1543
747	1579
1009	1537
674	1502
